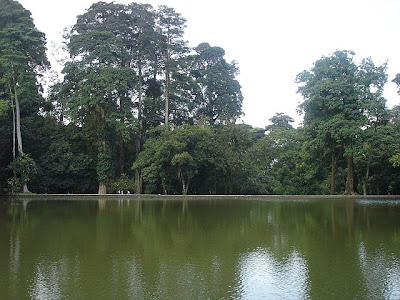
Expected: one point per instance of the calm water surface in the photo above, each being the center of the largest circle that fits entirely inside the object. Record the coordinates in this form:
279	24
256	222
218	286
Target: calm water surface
208	249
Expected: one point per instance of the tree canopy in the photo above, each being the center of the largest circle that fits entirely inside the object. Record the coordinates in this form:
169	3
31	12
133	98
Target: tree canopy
139	110
341	100
22	60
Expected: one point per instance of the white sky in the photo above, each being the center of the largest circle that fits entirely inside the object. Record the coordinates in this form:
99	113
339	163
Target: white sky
272	41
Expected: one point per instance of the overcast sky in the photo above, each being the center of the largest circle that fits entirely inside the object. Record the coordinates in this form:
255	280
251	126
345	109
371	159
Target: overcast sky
272	41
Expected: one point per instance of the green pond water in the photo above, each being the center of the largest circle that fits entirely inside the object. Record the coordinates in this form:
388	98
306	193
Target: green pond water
206	249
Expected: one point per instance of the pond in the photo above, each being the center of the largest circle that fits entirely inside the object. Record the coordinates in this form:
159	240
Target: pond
200	249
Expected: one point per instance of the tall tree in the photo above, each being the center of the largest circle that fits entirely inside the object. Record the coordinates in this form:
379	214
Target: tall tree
339	98
280	121
171	25
22	60
140	38
220	99
98	83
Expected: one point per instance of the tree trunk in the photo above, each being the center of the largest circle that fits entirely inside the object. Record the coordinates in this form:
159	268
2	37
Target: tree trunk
14	129
364	186
25	188
138	142
121	166
366	177
350	176
18	128
138	181
167	83
333	174
185	185
14	132
18	118
164	187
102	188
184	191
121	154
102	184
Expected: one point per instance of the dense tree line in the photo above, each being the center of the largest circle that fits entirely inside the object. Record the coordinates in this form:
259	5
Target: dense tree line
139	110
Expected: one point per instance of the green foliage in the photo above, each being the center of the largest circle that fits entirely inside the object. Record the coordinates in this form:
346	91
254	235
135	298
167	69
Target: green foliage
340	99
184	161
64	164
99	80
186	152
280	121
22	46
130	71
124	183
373	153
186	169
22	60
62	170
105	167
219	98
234	142
274	164
396	80
212	160
395	160
23	167
4	107
22	53
394	122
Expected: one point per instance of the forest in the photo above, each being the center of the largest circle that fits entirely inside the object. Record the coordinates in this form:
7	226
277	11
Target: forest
139	110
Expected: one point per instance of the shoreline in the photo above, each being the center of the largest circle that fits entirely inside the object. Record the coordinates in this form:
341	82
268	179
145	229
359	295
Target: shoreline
55	197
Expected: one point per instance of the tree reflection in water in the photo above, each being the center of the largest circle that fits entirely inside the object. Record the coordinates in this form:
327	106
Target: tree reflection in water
200	249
